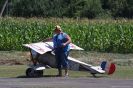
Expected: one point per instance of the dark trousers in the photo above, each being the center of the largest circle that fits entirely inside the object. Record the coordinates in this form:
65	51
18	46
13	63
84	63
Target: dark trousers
62	59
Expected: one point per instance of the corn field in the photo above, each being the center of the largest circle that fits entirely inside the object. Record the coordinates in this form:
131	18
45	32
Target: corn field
92	35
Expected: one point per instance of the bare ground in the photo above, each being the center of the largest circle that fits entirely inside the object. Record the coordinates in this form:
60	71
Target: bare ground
95	58
14	57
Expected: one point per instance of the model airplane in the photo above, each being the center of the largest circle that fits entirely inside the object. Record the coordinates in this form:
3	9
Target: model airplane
46	59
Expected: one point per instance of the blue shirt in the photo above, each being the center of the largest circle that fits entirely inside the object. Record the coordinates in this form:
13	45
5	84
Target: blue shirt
58	40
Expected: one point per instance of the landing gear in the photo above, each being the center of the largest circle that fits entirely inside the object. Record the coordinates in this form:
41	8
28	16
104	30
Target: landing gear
94	75
30	72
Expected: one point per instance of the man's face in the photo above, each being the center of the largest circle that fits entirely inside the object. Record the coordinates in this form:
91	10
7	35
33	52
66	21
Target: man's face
57	31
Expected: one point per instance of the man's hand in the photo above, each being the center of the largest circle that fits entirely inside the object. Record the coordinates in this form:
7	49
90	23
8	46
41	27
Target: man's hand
64	44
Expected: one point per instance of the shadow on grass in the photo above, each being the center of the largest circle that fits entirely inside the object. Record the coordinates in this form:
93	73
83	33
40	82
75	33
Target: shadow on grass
46	76
49	76
97	76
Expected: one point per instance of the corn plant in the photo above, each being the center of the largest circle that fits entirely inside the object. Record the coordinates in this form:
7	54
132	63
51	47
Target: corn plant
92	35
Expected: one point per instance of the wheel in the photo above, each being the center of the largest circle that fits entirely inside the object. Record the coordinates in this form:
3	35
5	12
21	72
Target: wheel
39	73
94	74
30	72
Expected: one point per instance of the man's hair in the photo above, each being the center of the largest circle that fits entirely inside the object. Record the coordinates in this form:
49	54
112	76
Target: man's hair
58	27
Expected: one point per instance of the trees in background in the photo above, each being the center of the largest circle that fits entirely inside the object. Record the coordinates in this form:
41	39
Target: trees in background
119	8
71	8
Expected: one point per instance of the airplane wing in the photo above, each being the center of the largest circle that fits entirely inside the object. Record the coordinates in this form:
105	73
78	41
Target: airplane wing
75	47
72	46
79	66
43	47
39	47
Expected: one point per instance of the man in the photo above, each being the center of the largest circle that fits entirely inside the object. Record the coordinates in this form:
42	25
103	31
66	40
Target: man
61	49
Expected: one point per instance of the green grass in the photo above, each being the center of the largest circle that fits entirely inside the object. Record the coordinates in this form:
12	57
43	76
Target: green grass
19	71
122	72
124	69
12	71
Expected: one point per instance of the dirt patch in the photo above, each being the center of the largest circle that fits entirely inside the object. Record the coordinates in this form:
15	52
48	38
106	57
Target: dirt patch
14	57
11	62
94	58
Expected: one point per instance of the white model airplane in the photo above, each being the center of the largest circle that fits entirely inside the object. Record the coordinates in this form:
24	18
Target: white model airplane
46	59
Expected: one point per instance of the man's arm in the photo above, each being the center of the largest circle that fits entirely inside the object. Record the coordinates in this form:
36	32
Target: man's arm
68	40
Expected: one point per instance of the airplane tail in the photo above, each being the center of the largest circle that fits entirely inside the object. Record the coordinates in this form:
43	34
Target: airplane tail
105	67
108	67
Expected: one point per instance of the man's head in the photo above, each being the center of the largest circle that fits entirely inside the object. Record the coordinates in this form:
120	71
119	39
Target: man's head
57	29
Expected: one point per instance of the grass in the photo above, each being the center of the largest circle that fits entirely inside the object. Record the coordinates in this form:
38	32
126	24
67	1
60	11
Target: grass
122	72
19	70
12	71
124	68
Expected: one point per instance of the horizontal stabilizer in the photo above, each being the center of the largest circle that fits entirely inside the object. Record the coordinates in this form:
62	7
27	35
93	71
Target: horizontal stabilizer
98	69
79	65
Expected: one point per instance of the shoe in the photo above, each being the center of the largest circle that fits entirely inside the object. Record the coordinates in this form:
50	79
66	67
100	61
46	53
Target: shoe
66	75
58	75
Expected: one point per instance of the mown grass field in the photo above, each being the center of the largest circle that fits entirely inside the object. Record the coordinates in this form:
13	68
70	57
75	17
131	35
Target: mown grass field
92	35
18	71
14	64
